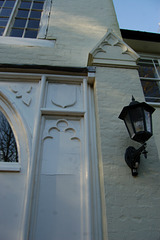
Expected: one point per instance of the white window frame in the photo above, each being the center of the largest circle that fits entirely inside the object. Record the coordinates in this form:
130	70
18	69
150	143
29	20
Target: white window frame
151	57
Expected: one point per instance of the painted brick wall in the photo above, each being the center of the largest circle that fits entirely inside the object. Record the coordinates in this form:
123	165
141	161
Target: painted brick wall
132	204
76	25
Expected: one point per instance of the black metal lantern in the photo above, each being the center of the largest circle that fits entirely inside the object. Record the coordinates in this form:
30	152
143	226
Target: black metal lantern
138	120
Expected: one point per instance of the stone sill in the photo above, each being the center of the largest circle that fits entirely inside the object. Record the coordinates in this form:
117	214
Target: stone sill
10	167
29	42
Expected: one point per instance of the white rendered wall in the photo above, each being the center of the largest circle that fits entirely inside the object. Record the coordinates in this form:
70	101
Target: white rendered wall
132	204
74	29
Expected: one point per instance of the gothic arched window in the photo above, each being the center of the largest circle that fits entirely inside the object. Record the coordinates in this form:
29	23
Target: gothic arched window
8	147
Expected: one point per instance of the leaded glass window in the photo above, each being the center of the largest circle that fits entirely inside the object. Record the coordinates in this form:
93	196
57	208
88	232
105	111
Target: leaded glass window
8	147
149	72
27	20
20	18
6	8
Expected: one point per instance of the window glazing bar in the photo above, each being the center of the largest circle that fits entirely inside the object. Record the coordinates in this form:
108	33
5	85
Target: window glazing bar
7	28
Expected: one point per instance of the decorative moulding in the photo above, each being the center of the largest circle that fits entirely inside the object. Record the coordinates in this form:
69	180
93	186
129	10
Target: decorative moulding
23	94
112	51
21	134
64	95
62	125
10	167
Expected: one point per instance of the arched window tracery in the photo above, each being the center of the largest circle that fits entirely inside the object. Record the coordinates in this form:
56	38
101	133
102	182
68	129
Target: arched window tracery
8	146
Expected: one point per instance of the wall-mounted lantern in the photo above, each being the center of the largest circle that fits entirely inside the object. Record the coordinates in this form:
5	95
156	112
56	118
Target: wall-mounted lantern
138	120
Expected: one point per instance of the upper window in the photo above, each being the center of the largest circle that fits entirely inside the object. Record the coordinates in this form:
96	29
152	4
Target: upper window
20	18
8	147
149	72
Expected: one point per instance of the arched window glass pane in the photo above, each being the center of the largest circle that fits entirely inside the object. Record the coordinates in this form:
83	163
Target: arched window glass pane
8	147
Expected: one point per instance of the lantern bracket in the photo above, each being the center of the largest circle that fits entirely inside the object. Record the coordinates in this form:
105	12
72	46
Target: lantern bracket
132	157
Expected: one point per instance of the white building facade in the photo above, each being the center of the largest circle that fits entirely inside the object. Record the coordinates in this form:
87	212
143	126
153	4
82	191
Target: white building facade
65	74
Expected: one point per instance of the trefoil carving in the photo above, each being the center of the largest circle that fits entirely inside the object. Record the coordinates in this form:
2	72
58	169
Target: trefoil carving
23	93
62	125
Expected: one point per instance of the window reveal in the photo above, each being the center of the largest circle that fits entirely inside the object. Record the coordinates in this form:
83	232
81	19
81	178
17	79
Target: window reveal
8	147
149	72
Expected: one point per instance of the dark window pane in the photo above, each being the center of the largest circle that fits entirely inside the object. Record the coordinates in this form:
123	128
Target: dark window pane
29	12
37	5
35	14
20	23
1	31
3	21
8	147
30	34
151	90
25	5
22	13
16	32
147	70
6	12
33	24
158	70
9	4
1	3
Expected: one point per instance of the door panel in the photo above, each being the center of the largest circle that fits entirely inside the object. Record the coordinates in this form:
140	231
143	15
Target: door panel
61	194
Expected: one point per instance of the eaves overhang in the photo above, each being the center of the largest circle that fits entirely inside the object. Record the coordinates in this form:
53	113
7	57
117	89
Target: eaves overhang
142	42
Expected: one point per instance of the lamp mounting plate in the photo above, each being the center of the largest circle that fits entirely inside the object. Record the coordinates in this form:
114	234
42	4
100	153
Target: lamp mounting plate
131	161
132	158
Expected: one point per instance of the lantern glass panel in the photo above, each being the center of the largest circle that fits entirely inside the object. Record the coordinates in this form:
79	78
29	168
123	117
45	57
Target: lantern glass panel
148	121
129	125
137	118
